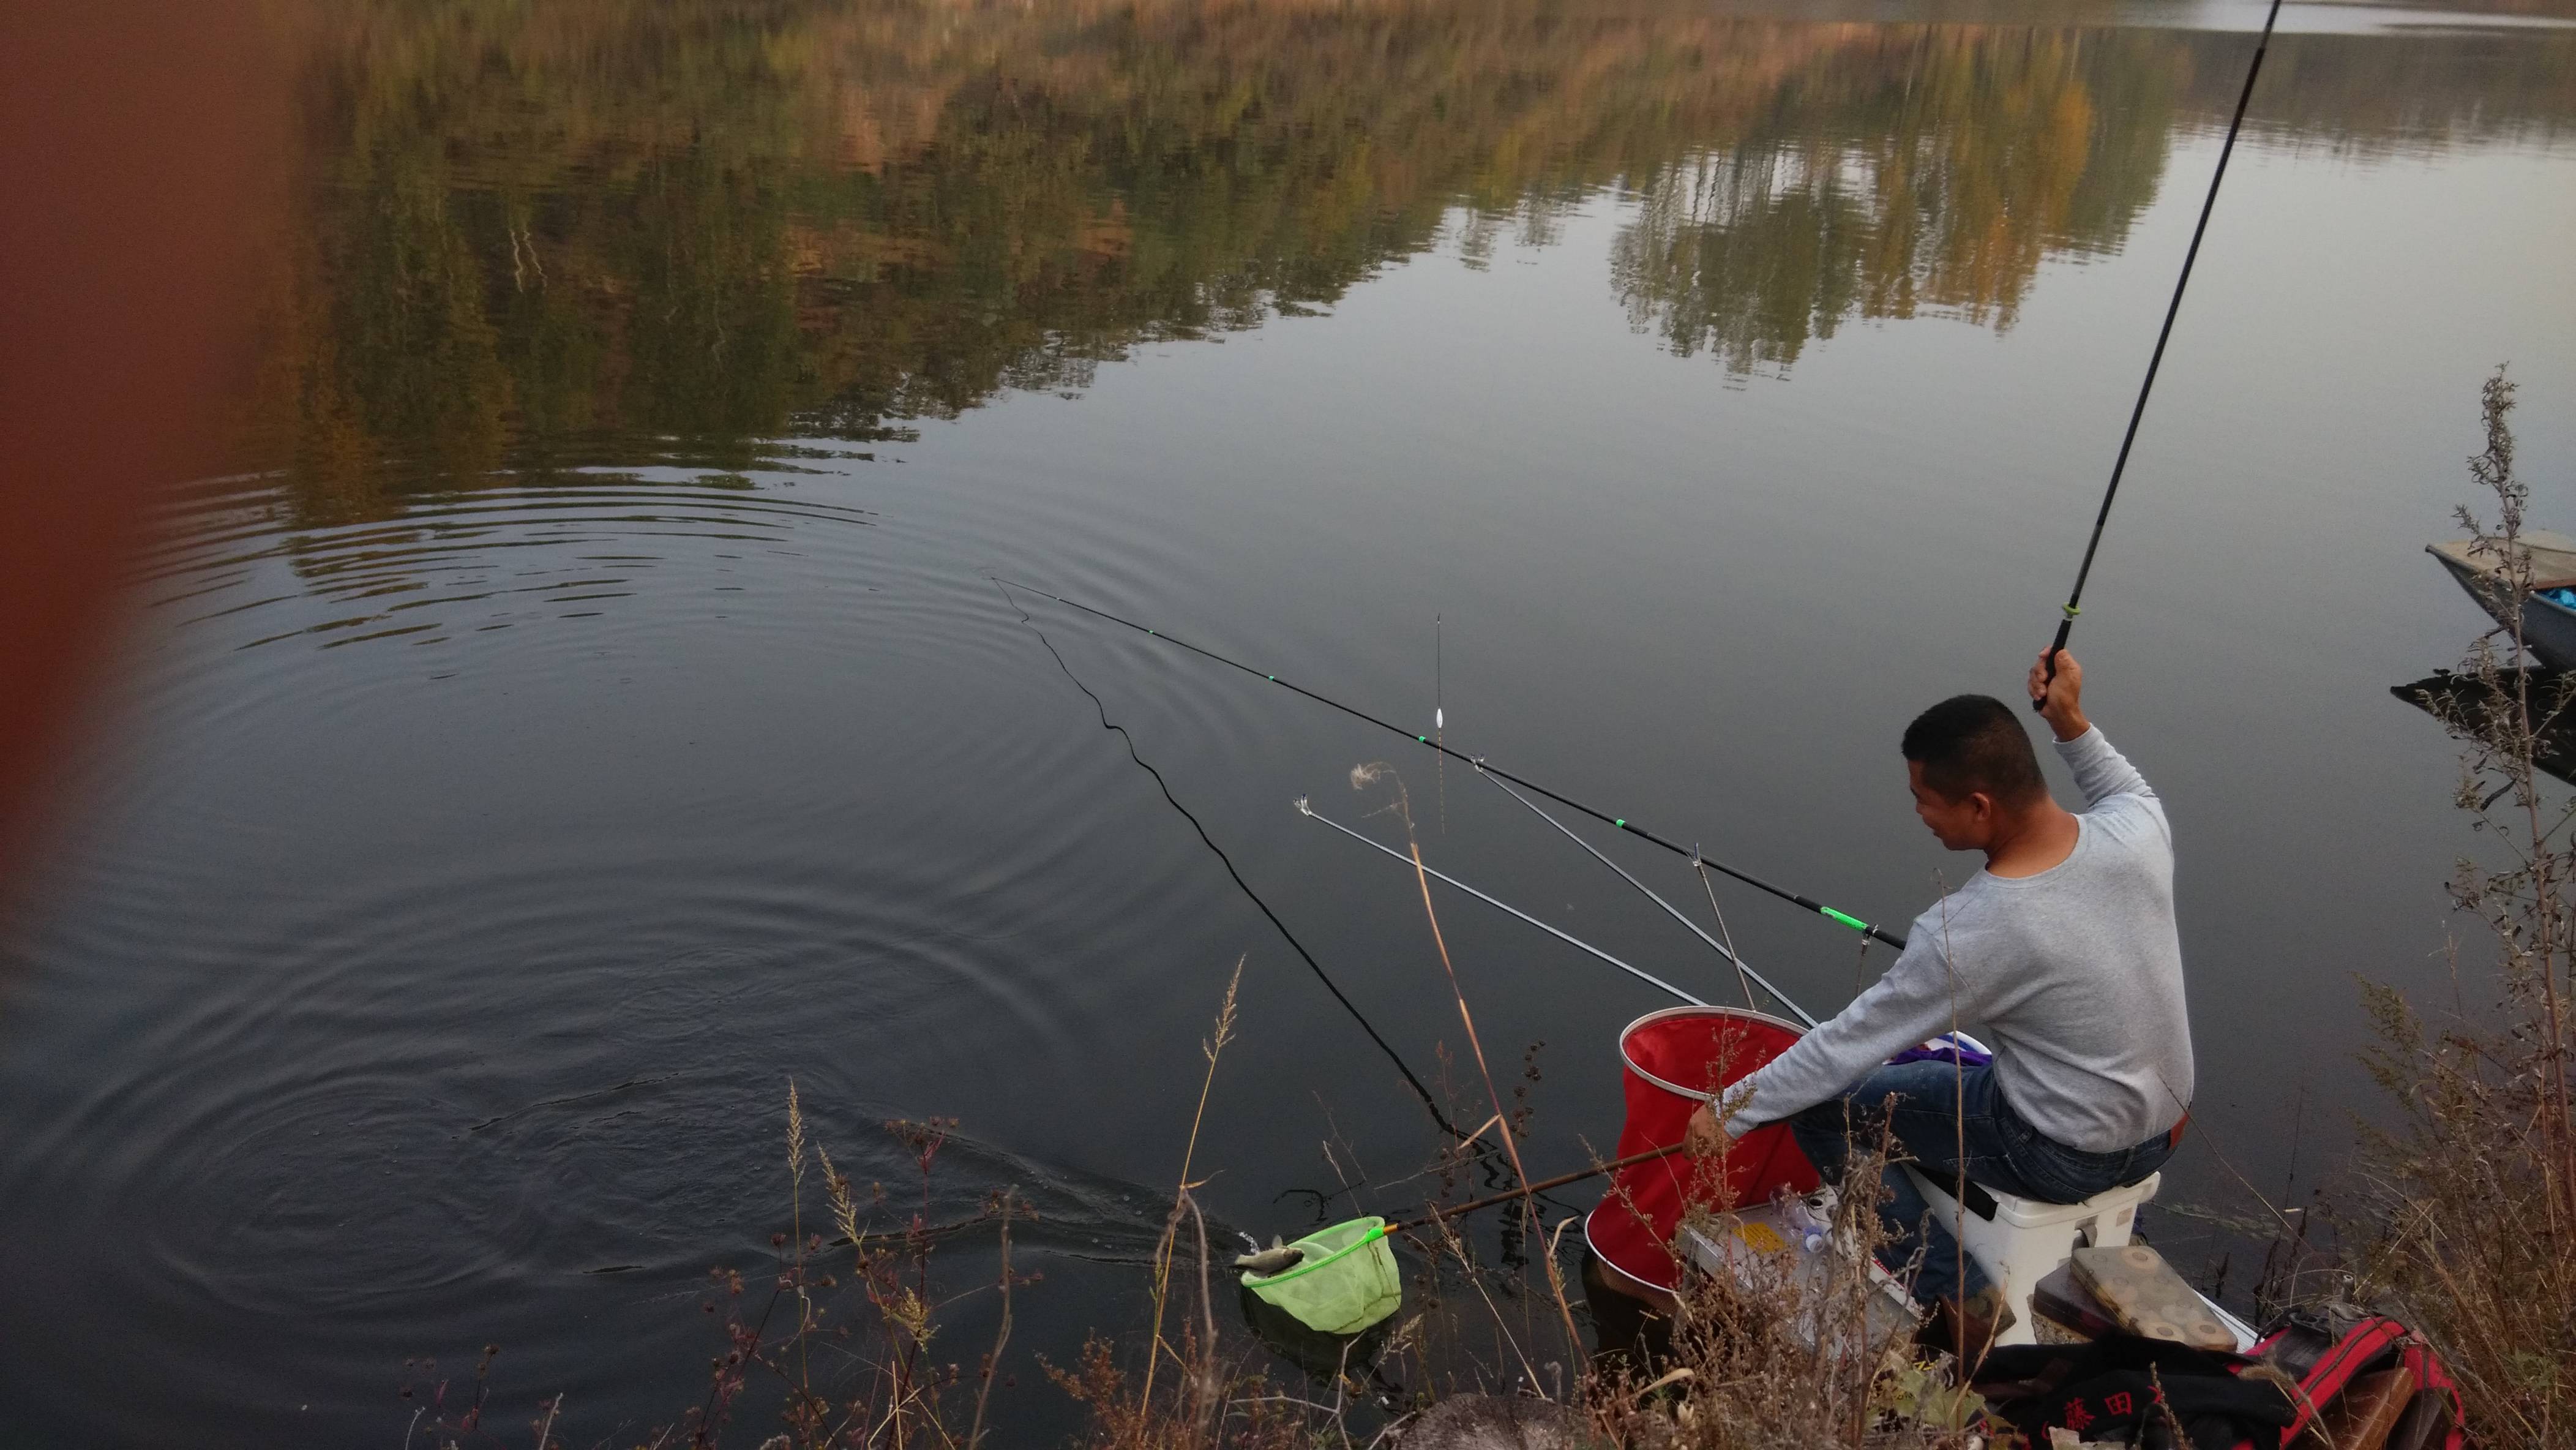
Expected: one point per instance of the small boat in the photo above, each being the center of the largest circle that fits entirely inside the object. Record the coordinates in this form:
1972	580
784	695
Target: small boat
2452	697
2549	617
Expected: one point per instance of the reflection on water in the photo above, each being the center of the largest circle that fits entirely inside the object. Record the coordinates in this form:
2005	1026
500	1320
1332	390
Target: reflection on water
1935	172
531	232
2450	696
1323	1358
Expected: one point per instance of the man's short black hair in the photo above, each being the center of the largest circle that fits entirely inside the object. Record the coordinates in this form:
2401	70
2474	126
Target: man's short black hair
1971	743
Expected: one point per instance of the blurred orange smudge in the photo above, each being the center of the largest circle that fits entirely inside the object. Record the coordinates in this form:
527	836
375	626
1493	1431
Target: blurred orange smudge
142	151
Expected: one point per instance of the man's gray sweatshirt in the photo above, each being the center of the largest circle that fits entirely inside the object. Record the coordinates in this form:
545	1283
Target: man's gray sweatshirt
2073	976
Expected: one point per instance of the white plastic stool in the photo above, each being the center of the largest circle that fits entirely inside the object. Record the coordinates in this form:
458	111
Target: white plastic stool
2019	1241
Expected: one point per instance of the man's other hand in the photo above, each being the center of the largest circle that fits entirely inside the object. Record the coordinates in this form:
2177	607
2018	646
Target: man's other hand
1704	1138
2060	700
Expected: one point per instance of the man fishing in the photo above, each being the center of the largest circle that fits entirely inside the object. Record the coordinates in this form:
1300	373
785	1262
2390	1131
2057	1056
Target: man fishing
2062	951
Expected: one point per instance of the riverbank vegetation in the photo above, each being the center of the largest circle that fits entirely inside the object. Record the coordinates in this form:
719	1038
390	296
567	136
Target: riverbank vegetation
2465	1206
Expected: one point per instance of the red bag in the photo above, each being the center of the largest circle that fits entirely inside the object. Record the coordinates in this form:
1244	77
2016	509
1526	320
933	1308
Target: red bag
2327	1352
2134	1390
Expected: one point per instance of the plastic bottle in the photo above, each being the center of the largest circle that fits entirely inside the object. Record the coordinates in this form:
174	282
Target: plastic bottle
1810	1217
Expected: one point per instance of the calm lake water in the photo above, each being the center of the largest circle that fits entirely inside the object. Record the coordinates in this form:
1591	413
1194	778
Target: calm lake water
589	710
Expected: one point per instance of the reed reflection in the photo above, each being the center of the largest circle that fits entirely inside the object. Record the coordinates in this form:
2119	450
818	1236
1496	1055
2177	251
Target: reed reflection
1930	172
617	234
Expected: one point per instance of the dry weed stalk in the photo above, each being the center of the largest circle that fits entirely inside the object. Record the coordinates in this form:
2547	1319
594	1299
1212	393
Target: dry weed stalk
2471	1209
1210	1407
886	1390
1001	1337
1362	777
1211	1049
796	1226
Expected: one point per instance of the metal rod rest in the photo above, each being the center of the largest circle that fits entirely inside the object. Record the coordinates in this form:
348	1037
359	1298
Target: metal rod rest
1713	944
1304	808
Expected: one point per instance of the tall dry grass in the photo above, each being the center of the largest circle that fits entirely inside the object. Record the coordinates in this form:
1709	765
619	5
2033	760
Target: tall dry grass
848	1339
1400	803
2468	1214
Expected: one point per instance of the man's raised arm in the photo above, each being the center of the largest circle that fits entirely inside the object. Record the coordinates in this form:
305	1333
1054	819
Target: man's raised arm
2100	771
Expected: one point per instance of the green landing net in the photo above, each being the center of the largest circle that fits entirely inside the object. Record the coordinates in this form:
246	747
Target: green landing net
1346	1282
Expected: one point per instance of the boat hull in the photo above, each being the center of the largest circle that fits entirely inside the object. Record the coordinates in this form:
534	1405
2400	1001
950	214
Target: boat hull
2548	627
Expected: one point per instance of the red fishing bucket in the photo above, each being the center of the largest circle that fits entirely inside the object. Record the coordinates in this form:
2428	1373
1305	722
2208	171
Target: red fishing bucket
1675	1059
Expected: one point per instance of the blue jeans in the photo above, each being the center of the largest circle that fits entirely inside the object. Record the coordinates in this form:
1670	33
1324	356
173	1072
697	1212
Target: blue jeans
1931	1108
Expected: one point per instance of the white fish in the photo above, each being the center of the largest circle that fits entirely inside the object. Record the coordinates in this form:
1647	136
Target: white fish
1277	1259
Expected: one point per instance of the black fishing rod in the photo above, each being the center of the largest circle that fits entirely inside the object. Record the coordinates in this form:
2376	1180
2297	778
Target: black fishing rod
1101	708
2075	597
1620	822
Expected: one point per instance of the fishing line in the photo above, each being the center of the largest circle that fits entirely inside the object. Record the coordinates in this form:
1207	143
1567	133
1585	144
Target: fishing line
2155	360
1307	809
1429	1103
1621	822
1711	888
1742	970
